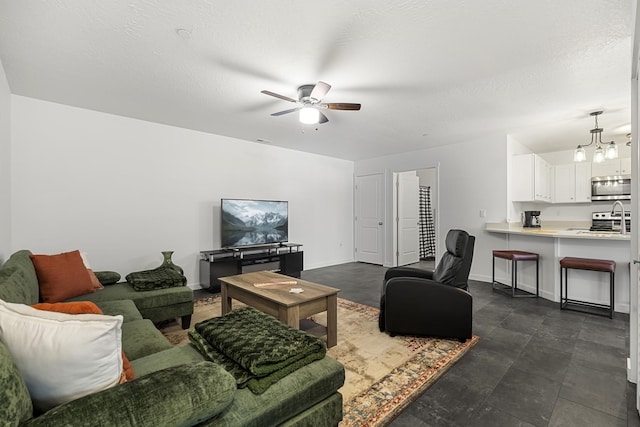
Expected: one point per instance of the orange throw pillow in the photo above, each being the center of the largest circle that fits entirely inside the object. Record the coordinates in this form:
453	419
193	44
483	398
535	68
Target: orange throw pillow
61	276
79	307
94	280
86	307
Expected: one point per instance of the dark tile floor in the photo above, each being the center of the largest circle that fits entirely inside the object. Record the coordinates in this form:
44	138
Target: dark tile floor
534	366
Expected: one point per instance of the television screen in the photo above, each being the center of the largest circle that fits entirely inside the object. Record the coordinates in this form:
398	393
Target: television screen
253	222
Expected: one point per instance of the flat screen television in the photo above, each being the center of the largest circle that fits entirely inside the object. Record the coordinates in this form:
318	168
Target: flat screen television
253	222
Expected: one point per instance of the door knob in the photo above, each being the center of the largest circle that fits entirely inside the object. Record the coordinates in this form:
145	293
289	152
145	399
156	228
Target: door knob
380	223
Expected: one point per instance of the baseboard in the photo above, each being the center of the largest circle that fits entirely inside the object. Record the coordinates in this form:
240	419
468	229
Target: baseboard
328	264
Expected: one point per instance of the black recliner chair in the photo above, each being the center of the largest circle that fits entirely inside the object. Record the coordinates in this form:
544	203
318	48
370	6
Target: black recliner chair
431	303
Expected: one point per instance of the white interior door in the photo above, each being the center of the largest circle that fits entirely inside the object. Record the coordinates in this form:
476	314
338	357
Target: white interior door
368	221
407	217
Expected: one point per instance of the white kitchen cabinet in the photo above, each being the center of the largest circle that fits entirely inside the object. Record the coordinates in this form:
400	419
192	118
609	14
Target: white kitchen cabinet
565	188
612	167
625	166
572	183
530	179
583	182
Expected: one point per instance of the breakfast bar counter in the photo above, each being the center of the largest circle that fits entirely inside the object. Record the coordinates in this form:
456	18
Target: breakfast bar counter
559	230
556	240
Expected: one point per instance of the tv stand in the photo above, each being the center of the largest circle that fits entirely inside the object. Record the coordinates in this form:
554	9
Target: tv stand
283	258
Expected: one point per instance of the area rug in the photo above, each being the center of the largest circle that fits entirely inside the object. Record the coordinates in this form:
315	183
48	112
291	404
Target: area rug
383	374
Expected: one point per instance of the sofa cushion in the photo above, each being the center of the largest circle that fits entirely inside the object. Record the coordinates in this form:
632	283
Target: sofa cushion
178	355
126	308
291	395
28	280
13	286
156	305
64	356
203	391
141	338
62	276
16	404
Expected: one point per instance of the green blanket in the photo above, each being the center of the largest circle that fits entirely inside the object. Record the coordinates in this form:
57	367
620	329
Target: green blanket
255	348
158	278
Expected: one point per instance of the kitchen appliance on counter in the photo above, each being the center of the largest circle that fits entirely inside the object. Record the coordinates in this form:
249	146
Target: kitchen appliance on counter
609	221
531	219
611	187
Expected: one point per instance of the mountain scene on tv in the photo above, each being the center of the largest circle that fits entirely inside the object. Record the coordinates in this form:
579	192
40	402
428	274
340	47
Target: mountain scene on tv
253	222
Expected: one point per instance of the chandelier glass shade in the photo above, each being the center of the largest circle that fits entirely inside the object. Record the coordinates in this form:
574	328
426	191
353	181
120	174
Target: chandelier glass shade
603	151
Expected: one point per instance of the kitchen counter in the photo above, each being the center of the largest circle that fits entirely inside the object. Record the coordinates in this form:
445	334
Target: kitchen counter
556	240
564	230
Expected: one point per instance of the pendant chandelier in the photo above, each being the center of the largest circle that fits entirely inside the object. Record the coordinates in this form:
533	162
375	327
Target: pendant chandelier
604	150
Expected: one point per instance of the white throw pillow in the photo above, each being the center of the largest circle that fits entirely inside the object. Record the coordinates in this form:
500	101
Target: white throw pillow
62	356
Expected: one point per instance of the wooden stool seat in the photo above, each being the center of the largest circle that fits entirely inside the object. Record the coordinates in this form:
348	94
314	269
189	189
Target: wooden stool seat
590	264
514	256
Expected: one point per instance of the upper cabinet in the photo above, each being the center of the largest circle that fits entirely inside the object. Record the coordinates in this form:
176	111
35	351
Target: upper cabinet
612	167
573	183
530	179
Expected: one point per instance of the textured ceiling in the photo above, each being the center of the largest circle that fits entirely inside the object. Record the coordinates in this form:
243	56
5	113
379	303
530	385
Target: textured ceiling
427	72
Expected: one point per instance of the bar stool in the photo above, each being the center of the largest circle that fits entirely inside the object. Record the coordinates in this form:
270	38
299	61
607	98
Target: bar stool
514	257
603	265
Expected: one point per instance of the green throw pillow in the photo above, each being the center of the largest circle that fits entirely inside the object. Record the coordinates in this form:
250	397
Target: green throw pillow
16	406
107	277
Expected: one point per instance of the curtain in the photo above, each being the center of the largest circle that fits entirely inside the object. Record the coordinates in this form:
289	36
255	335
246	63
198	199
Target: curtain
427	228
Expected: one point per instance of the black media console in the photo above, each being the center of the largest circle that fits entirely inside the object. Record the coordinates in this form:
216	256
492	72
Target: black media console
283	258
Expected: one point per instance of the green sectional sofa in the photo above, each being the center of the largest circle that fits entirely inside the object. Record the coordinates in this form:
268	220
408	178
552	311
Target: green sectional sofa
174	386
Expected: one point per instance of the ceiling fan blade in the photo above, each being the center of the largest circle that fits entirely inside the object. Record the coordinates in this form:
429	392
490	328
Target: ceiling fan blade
323	118
320	90
341	106
280	113
277	95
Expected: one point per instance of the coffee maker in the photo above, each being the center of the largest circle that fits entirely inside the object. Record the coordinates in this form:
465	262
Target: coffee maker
531	219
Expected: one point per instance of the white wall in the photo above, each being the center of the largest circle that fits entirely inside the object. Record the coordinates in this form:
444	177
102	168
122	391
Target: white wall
471	177
5	167
123	189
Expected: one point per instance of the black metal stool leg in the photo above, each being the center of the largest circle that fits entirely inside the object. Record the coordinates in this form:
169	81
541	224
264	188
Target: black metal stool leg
514	277
612	286
493	272
561	287
537	278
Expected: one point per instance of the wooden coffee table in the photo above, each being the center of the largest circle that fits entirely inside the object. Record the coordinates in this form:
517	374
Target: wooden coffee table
270	293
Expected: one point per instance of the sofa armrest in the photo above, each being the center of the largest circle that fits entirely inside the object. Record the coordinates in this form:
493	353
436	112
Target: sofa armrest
407	272
182	395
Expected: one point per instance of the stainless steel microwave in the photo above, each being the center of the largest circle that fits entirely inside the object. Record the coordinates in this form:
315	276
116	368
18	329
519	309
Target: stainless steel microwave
611	187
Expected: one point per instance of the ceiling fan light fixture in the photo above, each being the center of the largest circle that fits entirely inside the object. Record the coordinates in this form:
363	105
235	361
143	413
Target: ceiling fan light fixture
309	115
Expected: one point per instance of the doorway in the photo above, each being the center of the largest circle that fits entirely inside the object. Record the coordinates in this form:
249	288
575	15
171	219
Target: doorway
415	204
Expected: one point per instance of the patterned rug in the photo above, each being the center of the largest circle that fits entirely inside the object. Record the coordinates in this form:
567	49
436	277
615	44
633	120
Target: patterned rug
383	374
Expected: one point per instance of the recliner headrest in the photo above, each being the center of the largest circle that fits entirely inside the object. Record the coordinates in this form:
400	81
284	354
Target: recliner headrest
456	242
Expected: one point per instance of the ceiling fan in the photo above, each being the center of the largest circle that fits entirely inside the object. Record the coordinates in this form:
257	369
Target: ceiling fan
310	97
